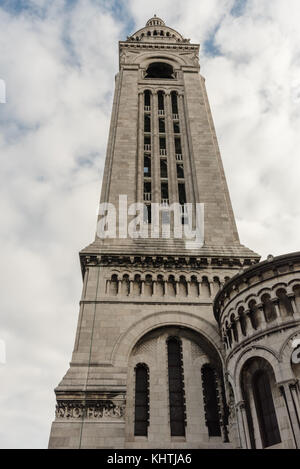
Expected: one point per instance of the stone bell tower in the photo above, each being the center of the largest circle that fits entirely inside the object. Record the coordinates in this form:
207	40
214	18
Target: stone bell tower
147	365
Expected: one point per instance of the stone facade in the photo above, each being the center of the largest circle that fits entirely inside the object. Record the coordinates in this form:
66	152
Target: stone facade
140	294
259	315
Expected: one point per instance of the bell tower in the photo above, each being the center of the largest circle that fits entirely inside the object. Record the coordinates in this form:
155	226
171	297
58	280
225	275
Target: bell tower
147	365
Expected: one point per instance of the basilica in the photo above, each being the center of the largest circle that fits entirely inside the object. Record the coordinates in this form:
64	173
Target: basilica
178	344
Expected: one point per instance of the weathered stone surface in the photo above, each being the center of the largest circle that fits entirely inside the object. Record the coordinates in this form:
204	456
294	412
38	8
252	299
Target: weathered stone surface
139	292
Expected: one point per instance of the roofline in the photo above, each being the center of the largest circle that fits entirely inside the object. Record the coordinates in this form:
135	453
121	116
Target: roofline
252	270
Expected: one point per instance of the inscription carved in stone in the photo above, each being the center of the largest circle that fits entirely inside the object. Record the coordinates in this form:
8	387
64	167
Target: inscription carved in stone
98	410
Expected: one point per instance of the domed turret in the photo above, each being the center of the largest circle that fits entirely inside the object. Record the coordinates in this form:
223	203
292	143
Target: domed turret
156	30
155	21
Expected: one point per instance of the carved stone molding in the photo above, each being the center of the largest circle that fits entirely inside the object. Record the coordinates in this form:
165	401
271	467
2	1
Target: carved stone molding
155	261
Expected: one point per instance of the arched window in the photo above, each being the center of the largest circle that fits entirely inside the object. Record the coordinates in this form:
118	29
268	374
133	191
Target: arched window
113	290
269	308
148	286
137	285
176	390
194	290
265	409
160	70
171	286
285	304
141	415
182	286
242	319
211	405
253	314
161	102
125	285
234	328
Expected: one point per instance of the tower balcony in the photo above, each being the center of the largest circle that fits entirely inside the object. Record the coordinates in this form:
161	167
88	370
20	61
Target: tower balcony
161	112
163	152
147	196
147	147
178	157
147	108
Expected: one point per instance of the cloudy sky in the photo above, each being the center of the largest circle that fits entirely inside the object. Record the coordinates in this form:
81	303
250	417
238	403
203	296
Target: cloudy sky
58	59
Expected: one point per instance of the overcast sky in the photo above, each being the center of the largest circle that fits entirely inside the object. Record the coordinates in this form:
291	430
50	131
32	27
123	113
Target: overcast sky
58	59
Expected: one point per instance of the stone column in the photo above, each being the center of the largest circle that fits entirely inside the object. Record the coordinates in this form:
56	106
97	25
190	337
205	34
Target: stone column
176	286
239	328
262	323
291	410
119	287
296	313
188	284
275	302
235	342
296	399
153	287
243	425
249	327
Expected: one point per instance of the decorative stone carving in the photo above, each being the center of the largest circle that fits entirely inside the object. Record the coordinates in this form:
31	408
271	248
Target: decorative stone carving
103	410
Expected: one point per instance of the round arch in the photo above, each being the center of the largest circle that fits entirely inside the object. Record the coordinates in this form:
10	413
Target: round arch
136	331
250	353
146	58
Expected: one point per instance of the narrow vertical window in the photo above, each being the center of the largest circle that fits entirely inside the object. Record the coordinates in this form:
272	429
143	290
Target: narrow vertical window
180	171
211	406
163	168
174	103
265	409
147	100
178	149
147	143
162	146
141	416
176	389
182	193
176	127
161	104
147	123
147	191
165	192
162	125
147	166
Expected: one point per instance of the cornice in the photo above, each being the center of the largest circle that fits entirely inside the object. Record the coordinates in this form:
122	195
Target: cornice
152	261
158	45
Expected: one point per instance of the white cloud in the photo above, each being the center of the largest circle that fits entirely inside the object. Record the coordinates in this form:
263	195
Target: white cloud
59	69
